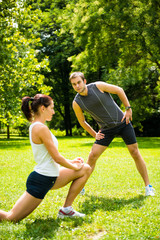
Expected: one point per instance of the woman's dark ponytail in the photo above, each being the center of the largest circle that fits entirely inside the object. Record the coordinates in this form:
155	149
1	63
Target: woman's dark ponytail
26	107
30	105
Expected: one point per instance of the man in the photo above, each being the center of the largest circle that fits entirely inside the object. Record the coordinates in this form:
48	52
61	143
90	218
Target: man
95	99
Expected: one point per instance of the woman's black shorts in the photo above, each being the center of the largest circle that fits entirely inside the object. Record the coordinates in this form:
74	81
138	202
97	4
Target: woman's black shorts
126	131
38	185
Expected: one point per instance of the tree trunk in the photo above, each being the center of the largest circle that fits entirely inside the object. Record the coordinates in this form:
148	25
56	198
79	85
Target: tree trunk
8	133
65	88
67	119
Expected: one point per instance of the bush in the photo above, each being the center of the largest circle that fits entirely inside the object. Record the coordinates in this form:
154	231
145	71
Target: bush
79	131
58	132
23	129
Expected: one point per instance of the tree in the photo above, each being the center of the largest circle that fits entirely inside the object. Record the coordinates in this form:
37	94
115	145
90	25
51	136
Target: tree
120	44
58	45
19	65
112	33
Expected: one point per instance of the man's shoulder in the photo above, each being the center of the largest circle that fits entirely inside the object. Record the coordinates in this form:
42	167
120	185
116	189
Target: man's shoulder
91	84
76	97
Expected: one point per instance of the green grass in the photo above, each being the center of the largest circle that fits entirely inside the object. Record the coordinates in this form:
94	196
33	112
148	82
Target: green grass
114	203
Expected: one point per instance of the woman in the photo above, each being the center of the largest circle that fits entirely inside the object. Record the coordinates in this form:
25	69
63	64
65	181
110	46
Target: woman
47	175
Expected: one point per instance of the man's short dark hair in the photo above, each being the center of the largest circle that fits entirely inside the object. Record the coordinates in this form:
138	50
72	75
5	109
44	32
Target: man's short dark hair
76	74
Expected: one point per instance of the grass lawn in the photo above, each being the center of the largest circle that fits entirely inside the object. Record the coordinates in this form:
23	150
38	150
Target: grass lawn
114	203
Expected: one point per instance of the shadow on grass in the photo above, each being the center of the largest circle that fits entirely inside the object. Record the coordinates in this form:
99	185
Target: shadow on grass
3	137
111	204
143	142
47	228
42	228
14	143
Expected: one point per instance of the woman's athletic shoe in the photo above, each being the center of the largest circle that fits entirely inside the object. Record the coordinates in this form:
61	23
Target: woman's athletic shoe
69	213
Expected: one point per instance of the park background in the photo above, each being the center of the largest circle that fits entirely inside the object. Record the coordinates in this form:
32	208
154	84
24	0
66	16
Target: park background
42	42
117	42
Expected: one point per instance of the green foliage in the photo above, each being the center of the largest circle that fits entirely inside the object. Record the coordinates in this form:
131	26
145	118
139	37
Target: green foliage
115	33
119	43
78	131
113	41
58	45
58	132
141	85
114	203
20	69
22	128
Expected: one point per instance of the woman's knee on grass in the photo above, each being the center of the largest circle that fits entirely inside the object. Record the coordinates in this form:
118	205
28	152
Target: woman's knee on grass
10	216
7	216
3	215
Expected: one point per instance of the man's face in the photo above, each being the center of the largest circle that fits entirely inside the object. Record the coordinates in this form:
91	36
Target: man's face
78	84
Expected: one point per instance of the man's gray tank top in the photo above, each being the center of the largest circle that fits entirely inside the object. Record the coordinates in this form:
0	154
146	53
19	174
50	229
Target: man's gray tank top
101	107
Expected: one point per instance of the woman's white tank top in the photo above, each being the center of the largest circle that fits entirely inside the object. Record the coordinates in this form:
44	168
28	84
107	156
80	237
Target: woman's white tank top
45	163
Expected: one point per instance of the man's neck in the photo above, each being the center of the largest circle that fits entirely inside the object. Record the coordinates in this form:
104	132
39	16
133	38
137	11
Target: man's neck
84	91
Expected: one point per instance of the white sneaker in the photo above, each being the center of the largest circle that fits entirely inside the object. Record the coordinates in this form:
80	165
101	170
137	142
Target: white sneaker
149	190
82	192
70	212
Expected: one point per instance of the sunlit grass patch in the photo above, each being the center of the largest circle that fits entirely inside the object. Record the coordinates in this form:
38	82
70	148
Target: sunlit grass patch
114	202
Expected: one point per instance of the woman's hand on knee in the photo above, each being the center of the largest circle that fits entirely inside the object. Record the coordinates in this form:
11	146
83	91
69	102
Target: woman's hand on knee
77	160
78	165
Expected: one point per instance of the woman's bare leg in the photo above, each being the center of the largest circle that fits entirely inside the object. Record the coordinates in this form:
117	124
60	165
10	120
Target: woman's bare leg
22	208
78	178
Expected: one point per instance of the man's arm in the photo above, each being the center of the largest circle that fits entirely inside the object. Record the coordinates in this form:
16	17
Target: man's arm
83	123
105	87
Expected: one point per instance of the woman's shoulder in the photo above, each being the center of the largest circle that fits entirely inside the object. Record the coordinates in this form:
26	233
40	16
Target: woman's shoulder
40	133
39	127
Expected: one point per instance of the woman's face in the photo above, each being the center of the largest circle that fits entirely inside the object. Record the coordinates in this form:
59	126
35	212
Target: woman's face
49	111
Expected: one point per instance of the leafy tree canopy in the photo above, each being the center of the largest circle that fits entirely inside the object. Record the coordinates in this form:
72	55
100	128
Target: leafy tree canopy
18	63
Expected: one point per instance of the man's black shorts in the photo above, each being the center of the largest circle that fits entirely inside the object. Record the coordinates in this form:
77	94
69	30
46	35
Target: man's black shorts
126	131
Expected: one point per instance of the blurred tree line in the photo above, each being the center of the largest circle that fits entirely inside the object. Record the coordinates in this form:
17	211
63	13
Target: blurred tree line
43	41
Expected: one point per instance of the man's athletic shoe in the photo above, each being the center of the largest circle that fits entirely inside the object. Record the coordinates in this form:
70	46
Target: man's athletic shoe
82	192
149	190
69	213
